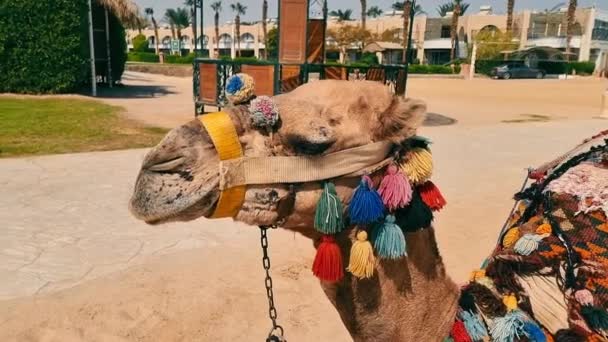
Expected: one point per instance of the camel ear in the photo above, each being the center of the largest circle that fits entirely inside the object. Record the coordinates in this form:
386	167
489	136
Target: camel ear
400	120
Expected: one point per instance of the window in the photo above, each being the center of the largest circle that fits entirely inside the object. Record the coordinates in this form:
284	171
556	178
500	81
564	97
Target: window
600	30
446	31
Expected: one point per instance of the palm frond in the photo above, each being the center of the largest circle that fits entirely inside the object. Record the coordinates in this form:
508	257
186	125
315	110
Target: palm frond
125	10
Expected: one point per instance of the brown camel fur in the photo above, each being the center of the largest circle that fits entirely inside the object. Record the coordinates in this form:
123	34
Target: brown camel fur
411	299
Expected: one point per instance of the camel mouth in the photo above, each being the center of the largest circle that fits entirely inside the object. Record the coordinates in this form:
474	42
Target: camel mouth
161	197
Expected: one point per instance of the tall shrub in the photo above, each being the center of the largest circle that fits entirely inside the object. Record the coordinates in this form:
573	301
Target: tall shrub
43	48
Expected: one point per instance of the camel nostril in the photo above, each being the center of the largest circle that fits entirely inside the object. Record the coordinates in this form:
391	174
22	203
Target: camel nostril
166	165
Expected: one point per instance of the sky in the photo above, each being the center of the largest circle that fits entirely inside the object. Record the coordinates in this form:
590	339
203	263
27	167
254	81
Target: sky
254	7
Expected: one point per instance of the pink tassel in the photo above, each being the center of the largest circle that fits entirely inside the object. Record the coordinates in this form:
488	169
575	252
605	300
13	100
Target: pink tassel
432	196
395	189
584	297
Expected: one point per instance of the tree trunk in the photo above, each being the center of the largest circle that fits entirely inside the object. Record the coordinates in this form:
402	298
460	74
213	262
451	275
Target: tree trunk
569	30
264	27
155	35
363	13
510	6
217	33
237	23
407	13
172	31
454	31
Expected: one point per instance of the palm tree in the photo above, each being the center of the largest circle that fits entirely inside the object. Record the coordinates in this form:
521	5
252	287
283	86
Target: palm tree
342	15
407	13
363	13
454	29
238	9
178	19
264	27
510	6
374	12
451	7
217	8
399	5
191	4
150	13
570	25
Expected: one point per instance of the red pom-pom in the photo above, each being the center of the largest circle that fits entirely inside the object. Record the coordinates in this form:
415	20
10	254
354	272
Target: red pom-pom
459	332
431	196
328	261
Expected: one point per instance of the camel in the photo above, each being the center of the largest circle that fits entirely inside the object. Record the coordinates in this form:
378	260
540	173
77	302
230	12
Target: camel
407	298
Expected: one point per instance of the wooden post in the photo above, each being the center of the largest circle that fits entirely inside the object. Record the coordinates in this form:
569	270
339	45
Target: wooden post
92	52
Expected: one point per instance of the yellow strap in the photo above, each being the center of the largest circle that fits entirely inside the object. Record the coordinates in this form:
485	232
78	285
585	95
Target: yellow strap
223	134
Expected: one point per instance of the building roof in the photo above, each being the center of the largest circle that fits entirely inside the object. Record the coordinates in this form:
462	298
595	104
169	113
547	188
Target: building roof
126	10
382	46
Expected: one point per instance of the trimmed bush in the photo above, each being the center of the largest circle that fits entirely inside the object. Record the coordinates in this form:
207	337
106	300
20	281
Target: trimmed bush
148	57
582	68
42	46
429	69
140	43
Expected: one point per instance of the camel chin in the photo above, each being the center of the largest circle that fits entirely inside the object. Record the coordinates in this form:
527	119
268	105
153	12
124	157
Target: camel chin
179	179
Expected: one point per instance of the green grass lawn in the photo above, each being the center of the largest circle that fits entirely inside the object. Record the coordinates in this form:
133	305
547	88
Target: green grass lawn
45	126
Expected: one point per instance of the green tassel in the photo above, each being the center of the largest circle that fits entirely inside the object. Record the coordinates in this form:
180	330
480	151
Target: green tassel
596	317
328	217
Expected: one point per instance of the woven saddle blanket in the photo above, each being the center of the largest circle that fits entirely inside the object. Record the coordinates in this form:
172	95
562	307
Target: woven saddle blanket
547	279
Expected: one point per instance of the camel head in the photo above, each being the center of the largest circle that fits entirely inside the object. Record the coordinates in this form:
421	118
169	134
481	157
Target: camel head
179	179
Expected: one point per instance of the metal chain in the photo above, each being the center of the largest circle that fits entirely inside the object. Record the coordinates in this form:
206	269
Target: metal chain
276	332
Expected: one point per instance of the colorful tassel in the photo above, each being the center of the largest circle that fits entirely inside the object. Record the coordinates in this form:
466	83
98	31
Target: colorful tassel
527	244
366	206
395	189
389	241
361	263
534	332
510	301
431	196
474	326
509	328
510	237
595	316
459	332
328	261
584	297
544	228
417	215
467	301
328	217
418	166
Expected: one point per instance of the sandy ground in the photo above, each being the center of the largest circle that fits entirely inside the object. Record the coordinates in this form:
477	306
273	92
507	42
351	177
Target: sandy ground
74	266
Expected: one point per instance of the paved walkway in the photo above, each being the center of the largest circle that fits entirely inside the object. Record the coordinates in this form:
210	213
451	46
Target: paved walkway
155	100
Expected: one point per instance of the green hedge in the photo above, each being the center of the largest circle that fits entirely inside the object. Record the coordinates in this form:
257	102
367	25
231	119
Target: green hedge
140	43
42	46
429	69
581	68
149	57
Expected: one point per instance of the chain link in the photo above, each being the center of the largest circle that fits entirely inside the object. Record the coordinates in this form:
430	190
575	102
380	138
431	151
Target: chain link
276	332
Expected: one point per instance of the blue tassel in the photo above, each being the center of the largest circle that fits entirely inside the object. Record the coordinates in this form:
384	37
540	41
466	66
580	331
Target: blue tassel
534	332
389	241
366	206
476	329
509	328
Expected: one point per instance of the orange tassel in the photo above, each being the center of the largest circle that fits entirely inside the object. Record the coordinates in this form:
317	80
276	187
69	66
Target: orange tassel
328	261
431	196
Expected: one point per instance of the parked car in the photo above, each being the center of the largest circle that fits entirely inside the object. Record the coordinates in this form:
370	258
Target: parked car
508	71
